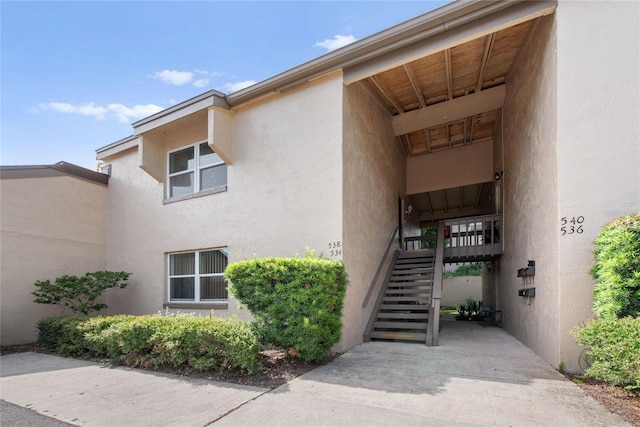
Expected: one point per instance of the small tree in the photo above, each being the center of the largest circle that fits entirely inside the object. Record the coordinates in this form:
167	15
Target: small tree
80	293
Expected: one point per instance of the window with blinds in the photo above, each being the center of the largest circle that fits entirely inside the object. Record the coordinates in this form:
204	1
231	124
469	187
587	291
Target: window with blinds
198	276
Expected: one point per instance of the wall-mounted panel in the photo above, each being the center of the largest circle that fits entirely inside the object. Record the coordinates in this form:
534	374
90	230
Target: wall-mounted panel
470	164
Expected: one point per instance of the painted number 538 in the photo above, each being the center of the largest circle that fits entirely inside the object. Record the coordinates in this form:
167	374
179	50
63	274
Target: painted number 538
335	248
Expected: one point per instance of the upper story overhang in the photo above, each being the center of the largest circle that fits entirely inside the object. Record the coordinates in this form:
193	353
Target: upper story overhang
437	31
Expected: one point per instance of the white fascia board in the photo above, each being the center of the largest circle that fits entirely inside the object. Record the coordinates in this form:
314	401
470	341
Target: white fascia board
449	111
177	112
117	147
444	36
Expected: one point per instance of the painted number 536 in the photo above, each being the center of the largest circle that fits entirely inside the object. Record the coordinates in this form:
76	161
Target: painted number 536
571	225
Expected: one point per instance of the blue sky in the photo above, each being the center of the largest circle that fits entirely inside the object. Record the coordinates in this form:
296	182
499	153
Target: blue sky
75	75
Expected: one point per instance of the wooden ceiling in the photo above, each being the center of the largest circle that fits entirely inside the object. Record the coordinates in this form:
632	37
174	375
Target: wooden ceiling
462	70
466	69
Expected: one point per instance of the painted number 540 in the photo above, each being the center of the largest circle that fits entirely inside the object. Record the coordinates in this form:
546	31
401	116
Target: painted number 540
571	225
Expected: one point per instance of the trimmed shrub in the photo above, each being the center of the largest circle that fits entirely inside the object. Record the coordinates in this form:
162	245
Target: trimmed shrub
617	268
614	350
61	334
296	302
79	293
199	342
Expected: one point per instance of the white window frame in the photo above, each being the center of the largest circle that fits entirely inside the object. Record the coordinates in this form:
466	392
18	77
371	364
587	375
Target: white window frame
196	170
196	282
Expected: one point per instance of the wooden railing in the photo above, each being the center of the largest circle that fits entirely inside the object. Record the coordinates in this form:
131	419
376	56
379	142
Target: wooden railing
386	260
477	237
433	326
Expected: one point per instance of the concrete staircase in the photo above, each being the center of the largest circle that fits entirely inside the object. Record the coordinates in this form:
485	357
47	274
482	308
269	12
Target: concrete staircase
404	311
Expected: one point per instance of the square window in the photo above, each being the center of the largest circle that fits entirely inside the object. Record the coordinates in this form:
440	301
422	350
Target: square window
194	169
198	276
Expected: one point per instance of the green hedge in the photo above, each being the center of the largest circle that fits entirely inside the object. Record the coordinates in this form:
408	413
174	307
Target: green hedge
296	302
199	342
614	348
617	268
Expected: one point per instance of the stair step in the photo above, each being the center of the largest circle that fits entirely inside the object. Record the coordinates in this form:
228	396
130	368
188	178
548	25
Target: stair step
408	298
422	266
406	307
426	284
416	254
400	274
407	316
391	292
410	278
405	336
412	261
400	325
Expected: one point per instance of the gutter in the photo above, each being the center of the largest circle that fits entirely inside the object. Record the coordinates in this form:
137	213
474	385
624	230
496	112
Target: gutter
424	26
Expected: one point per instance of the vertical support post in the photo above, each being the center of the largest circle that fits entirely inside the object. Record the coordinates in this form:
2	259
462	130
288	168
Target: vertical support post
433	328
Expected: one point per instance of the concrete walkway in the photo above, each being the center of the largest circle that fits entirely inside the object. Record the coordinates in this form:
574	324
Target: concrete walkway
480	375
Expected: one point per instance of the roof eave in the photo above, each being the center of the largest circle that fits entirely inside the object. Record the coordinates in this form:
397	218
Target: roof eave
370	46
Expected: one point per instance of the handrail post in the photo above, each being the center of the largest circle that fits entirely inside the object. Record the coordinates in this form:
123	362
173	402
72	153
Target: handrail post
433	327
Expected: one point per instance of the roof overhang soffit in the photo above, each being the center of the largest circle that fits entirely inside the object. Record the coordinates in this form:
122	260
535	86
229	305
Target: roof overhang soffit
445	36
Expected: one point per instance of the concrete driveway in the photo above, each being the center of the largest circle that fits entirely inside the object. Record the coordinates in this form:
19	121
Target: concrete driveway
480	375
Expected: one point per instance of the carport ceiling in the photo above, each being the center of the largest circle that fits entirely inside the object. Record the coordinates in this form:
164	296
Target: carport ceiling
456	72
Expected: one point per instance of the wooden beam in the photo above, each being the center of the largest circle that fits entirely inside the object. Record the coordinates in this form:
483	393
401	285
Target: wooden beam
427	136
447	69
412	80
388	97
428	217
449	111
488	46
426	196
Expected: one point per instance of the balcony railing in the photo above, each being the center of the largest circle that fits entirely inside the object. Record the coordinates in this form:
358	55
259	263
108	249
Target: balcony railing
477	237
473	238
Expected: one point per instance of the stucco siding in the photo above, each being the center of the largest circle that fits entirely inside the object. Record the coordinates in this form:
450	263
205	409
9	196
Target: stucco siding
530	195
283	195
51	226
598	141
374	171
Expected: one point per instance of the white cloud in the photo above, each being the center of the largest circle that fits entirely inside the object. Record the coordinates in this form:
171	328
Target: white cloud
89	109
181	78
201	83
119	111
336	42
124	113
234	87
173	77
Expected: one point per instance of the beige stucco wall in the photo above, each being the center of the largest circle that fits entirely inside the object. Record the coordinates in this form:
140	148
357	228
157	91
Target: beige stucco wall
456	289
530	195
51	227
284	195
373	180
571	150
598	126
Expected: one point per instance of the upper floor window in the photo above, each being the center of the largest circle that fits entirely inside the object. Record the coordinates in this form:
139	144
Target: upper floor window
195	168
